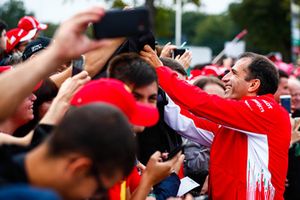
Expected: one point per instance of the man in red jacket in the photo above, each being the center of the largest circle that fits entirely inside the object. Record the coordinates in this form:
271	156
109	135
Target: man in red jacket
249	152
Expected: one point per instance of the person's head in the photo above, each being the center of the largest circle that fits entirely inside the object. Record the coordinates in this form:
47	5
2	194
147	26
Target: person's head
3	28
24	112
16	40
116	93
175	66
135	72
251	75
294	87
35	46
283	88
91	149
211	84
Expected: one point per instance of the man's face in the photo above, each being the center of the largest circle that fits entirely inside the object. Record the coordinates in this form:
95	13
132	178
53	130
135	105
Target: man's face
24	112
295	94
236	86
3	40
146	95
283	89
78	181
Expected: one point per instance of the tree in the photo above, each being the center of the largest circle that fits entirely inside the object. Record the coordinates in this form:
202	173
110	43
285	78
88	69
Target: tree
268	25
152	9
213	31
11	11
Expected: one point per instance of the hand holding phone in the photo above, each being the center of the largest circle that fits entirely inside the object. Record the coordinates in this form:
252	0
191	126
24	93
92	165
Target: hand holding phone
175	151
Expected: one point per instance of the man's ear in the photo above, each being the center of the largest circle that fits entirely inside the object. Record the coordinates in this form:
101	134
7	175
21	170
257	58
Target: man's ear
254	86
79	166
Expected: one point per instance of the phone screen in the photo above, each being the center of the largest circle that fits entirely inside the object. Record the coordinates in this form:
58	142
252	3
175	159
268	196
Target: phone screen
177	52
77	65
285	101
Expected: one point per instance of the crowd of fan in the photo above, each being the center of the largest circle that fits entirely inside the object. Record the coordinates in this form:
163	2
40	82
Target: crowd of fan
107	131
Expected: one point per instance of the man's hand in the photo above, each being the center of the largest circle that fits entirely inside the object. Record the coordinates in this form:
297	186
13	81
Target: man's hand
150	56
185	59
295	136
156	170
166	51
61	102
70	41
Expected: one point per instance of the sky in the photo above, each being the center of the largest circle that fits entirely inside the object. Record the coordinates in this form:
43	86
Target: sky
59	10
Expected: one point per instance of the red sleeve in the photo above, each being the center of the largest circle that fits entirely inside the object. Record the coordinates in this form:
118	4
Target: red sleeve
249	115
133	180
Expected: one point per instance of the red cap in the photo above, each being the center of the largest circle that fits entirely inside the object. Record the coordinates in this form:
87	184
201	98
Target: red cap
114	92
29	23
16	35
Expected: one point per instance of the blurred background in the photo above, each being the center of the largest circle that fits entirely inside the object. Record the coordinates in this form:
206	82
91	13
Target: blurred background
208	26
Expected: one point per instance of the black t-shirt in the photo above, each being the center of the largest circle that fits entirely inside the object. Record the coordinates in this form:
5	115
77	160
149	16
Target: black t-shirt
12	168
159	137
293	176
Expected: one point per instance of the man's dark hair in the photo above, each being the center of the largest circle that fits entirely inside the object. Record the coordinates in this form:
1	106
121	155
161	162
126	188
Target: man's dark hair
282	74
131	69
174	65
263	69
100	132
203	81
3	26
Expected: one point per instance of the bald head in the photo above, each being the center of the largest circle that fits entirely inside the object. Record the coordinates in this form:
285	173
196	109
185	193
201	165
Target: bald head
294	87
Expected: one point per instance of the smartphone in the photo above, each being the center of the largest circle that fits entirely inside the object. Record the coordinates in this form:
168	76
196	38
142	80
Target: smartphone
77	65
285	101
122	23
177	52
175	151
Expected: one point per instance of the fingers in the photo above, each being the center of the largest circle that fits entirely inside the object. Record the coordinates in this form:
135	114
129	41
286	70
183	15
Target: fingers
166	51
156	156
90	15
150	56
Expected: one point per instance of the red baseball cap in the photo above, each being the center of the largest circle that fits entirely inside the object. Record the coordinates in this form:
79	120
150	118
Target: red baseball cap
29	23
16	35
115	92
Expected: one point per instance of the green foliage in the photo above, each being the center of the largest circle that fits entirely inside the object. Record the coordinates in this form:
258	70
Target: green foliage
197	28
164	23
118	4
213	31
11	11
268	25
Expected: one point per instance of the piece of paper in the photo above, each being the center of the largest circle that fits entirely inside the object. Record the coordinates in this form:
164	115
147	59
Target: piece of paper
186	185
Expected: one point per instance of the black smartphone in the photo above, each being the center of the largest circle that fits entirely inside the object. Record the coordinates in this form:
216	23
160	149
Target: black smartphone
177	52
122	23
285	101
77	65
175	151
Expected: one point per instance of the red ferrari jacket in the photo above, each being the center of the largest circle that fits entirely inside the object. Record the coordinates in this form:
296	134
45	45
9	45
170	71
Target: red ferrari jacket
249	152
